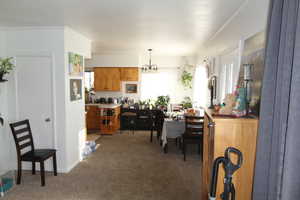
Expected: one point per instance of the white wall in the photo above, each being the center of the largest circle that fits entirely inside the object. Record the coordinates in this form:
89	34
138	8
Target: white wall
131	60
250	19
6	140
68	117
75	111
113	60
34	42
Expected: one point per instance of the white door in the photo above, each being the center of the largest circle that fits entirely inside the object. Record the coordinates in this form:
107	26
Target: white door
35	97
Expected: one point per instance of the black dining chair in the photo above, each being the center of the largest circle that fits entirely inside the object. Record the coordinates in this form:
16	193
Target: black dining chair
26	152
146	118
193	133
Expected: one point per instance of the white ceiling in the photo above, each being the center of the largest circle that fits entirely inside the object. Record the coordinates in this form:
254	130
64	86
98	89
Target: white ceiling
173	27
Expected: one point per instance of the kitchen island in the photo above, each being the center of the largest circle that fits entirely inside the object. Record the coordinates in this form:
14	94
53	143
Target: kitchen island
103	117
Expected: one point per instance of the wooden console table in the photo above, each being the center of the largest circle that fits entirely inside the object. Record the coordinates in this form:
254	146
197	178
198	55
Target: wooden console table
223	132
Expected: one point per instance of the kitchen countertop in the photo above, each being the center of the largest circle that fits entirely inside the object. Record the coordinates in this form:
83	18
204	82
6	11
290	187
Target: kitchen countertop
103	105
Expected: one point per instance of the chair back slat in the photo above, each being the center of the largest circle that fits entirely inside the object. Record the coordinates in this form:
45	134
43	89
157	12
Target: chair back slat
23	146
23	136
194	124
22	130
21	139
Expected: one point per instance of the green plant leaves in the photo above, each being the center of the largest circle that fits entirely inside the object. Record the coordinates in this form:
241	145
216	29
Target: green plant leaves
186	79
6	65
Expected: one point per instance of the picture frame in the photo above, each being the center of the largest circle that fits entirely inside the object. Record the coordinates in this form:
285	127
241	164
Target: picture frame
131	88
75	89
75	64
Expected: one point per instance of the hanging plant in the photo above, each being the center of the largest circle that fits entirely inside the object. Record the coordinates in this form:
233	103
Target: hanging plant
186	79
6	65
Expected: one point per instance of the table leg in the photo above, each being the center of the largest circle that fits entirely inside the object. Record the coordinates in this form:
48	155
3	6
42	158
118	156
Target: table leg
166	148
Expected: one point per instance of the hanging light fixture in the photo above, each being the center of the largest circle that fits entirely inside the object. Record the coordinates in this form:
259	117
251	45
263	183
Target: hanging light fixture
149	67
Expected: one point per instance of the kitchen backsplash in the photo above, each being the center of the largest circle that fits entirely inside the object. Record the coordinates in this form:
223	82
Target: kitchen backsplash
122	93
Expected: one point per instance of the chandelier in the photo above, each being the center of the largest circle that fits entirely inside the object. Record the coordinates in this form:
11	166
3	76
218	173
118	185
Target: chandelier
149	67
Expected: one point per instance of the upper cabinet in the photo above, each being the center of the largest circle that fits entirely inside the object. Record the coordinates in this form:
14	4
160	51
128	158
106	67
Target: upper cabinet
129	74
107	79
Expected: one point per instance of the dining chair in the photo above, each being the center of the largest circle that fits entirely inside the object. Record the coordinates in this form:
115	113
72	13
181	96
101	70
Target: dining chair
147	119
193	133
26	152
159	122
128	120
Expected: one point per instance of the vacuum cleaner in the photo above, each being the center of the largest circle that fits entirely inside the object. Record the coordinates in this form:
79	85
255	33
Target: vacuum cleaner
230	168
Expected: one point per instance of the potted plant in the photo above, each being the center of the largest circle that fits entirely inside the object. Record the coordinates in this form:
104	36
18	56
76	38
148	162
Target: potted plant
187	103
186	79
6	66
162	101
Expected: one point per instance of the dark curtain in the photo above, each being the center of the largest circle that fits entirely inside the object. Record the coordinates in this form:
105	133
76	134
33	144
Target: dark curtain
277	173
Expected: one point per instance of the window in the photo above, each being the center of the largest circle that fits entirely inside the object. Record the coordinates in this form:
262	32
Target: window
164	82
227	74
200	87
89	80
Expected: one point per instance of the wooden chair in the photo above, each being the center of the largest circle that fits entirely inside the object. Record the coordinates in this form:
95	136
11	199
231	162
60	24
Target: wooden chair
193	133
26	152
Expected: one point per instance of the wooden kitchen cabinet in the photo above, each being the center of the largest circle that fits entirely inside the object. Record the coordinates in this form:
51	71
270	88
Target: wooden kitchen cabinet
220	133
107	79
129	73
92	118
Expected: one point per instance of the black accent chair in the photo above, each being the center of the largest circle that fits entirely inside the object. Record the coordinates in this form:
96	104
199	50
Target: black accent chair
26	152
193	133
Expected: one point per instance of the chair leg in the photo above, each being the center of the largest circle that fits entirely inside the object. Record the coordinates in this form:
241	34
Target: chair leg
33	167
151	136
184	151
54	164
42	173
19	172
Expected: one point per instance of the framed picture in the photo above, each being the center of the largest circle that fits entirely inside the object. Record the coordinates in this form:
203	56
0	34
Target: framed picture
131	88
75	64
75	89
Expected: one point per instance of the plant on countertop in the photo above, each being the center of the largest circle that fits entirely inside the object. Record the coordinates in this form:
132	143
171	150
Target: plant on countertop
6	66
162	101
186	79
187	103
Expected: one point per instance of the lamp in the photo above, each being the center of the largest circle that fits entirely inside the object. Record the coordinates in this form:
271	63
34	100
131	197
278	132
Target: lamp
247	84
149	67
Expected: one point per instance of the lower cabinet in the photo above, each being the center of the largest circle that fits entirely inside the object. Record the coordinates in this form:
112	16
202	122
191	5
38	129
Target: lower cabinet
105	120
220	133
92	118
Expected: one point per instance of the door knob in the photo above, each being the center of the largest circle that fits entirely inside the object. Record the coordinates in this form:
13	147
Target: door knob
47	120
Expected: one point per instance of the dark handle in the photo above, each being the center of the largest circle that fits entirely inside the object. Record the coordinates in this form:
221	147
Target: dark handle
239	154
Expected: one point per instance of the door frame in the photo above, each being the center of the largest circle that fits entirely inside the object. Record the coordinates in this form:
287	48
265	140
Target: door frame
39	54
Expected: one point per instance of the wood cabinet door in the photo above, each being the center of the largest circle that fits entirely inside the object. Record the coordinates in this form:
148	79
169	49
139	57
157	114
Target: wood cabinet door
129	74
107	79
100	79
92	118
114	79
207	156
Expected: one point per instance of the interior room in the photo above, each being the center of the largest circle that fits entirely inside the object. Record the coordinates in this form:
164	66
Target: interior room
152	100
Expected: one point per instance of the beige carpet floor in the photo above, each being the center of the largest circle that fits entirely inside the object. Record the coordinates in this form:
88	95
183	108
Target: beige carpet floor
125	167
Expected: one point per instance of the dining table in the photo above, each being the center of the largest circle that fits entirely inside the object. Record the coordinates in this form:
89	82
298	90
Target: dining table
172	128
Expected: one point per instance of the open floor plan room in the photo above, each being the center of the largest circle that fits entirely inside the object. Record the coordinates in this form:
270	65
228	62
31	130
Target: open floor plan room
149	100
125	167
